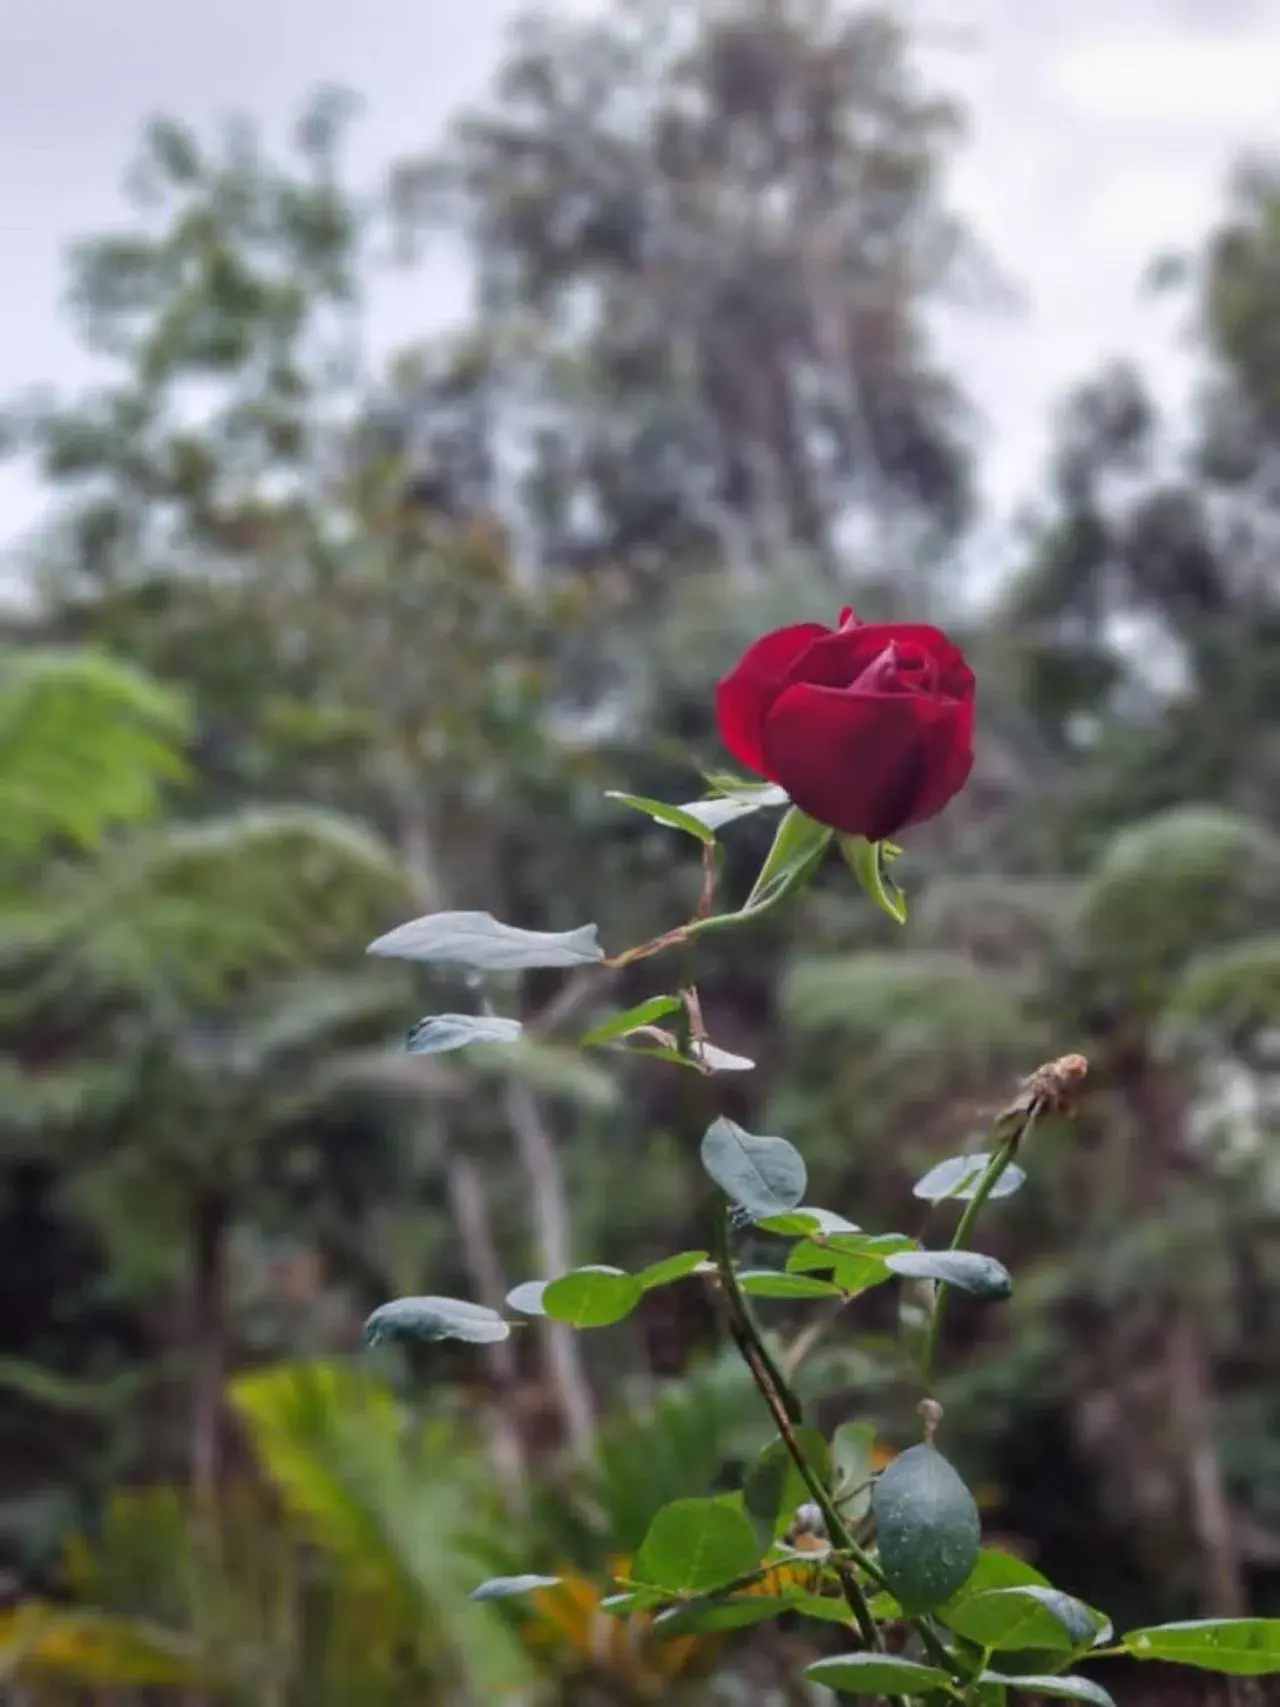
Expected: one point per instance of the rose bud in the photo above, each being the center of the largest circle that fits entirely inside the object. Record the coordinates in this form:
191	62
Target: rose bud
868	727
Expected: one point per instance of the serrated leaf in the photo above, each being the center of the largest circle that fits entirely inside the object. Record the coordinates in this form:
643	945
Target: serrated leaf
774	1283
970	1271
527	1297
875	1674
442	1032
799	848
644	1013
594	1297
678	1267
1060	1688
1012	1619
1239	1647
694	1546
506	1588
674	817
867	861
765	1175
715	814
956	1180
804	1222
435	1319
483	943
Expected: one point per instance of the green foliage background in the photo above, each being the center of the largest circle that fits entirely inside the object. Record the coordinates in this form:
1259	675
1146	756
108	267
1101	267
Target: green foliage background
312	646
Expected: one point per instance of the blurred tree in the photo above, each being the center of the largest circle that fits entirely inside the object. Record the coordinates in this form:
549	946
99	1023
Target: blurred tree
1144	633
704	237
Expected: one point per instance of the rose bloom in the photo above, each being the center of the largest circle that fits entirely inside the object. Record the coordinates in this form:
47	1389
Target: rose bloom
868	727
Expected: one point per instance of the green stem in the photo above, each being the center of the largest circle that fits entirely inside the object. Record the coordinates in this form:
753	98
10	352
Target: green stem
786	1412
697	927
991	1177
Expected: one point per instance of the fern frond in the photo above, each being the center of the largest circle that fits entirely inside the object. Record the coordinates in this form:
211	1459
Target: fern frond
86	743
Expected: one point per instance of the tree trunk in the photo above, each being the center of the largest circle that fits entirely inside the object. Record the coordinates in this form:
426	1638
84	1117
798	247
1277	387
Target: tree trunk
541	1165
550	1210
209	1228
1159	1115
484	1266
1222	1590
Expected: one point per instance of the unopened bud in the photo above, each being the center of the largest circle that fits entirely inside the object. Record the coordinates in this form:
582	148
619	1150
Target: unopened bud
809	1521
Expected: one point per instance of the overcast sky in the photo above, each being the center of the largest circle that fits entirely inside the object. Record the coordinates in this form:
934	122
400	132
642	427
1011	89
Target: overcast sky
1095	143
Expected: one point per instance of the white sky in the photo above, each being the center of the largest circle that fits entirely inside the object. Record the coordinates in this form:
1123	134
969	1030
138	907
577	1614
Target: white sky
1095	144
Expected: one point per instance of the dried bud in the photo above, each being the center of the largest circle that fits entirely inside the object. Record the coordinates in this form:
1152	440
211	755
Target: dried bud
931	1414
1056	1085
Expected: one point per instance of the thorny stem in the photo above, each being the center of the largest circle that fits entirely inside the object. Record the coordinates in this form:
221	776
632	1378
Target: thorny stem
785	1410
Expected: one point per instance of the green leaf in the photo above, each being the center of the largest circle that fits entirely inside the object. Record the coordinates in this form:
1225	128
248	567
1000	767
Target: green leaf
737	1613
675	817
875	1674
694	1546
86	742
856	1262
634	1600
594	1297
443	1032
867	860
715	814
765	1175
997	1569
1061	1688
1010	1619
435	1319
505	1588
775	1283
481	942
831	1609
527	1297
927	1528
804	1222
774	1486
644	1013
1241	1647
851	1454
745	788
662	1273
956	1180
798	850
981	1276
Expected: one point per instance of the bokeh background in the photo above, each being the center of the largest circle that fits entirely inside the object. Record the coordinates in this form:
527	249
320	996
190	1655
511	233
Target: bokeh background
410	414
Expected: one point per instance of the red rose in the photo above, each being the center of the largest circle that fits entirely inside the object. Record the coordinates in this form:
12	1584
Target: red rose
868	727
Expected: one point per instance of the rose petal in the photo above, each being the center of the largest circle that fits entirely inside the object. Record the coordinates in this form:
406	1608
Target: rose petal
947	765
840	658
744	696
868	764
